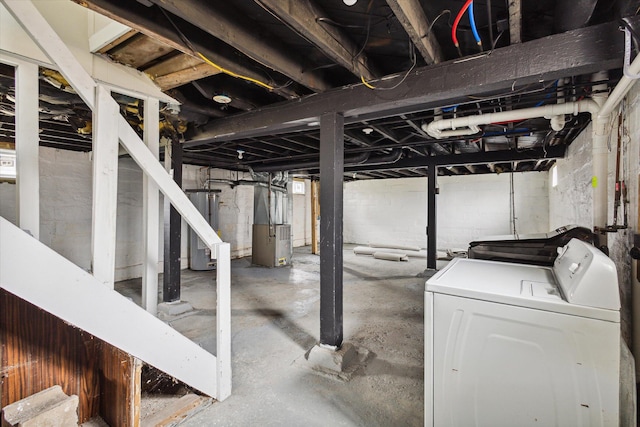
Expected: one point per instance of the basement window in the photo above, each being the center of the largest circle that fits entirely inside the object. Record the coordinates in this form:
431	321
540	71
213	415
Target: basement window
7	165
298	186
554	176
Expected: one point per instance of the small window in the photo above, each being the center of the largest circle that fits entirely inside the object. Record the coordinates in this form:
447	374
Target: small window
298	186
554	176
7	165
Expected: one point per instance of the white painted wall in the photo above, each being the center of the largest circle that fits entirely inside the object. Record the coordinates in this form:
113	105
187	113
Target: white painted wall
469	207
572	200
302	217
65	209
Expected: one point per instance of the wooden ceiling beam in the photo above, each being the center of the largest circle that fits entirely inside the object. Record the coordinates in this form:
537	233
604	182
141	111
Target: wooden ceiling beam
240	36
176	63
139	50
301	15
415	22
180	77
134	15
515	21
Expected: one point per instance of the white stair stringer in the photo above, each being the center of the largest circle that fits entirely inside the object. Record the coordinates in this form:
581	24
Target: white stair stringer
41	276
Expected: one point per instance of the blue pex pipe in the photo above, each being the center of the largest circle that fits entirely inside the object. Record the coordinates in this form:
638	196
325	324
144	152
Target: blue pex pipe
474	29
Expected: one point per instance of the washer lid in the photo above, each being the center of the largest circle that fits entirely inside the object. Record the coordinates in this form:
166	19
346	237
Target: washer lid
514	284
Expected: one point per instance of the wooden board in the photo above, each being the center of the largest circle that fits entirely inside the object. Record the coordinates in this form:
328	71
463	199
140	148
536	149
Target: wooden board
38	350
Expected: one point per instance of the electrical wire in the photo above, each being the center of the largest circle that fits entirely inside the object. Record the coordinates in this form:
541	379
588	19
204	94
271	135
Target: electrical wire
454	29
444	12
414	58
208	61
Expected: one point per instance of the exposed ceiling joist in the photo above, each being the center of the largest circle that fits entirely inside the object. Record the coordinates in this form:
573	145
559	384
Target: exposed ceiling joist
139	50
178	78
553	152
302	16
412	17
582	51
515	21
124	12
232	32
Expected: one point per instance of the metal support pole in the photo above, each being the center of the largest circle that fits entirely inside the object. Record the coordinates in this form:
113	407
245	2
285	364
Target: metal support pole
172	245
331	179
432	173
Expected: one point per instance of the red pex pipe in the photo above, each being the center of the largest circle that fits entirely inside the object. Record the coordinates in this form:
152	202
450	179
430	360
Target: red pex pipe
454	29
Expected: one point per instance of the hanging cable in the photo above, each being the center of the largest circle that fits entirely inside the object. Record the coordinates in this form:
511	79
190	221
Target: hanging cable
414	61
208	61
454	29
490	19
474	29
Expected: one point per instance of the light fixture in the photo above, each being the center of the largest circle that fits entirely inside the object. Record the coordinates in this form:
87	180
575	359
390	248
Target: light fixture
240	153
222	99
350	2
367	131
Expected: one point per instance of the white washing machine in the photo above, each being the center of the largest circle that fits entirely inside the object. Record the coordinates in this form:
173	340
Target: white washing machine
521	345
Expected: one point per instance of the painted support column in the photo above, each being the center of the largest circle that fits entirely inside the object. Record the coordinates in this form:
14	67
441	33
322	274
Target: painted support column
172	243
150	211
27	143
432	174
106	116
331	179
223	319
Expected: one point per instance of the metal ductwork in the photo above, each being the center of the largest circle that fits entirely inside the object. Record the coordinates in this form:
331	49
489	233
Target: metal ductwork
354	160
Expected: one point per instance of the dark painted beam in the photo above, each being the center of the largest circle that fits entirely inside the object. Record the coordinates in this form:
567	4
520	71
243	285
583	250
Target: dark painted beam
577	52
173	236
557	151
432	190
331	179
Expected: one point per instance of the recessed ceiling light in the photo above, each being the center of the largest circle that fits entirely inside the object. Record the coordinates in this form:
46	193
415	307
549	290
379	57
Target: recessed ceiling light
222	99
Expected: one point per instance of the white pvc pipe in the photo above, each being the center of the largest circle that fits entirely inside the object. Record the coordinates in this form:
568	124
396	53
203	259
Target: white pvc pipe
468	125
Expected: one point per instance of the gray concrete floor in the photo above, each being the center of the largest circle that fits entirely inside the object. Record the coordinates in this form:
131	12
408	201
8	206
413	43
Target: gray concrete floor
275	320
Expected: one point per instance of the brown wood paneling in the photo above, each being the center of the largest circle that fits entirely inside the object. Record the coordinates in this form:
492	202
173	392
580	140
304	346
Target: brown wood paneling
119	387
39	350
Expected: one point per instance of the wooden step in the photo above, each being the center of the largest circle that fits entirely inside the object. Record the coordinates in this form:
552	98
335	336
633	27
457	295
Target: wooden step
177	411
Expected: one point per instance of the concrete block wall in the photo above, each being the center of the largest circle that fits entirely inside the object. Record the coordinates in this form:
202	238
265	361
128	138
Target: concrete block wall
302	217
65	210
571	201
469	207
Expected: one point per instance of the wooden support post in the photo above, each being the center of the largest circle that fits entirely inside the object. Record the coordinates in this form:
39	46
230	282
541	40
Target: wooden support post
315	213
106	116
27	141
331	179
223	320
150	211
173	235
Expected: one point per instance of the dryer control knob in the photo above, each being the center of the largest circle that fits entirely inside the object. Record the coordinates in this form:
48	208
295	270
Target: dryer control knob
574	267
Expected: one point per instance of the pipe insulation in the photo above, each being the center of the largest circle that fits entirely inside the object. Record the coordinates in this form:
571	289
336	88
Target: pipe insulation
469	125
390	256
404	248
366	250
